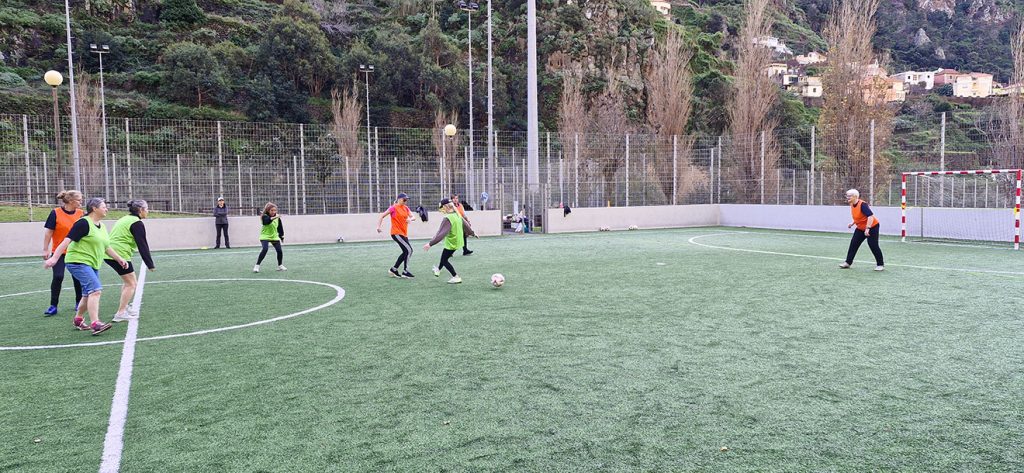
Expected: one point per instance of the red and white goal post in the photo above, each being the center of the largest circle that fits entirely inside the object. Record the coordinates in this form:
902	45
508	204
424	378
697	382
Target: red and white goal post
962	205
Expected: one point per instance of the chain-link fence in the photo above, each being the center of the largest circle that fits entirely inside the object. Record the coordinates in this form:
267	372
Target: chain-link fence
183	166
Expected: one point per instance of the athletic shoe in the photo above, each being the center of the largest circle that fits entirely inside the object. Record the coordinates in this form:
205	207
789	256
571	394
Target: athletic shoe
455	280
407	274
131	311
879	268
437	271
281	267
51	311
123	317
394	273
844	265
256	268
80	324
216	247
467	252
99	327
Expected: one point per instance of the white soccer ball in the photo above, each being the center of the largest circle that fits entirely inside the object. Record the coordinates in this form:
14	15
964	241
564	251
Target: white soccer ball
497	280
634	227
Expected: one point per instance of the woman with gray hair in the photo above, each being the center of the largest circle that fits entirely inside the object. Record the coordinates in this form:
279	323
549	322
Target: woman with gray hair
129	234
86	243
868	229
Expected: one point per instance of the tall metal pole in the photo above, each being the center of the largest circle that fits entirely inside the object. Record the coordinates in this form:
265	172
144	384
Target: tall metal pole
57	140
490	99
366	69
100	51
532	126
74	105
469	49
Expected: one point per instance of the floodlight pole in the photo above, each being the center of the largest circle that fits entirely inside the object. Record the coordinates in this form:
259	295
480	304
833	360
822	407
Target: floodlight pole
101	50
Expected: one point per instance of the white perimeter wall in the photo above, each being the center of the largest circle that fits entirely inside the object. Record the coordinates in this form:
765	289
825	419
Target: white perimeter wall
26	239
620	218
821	218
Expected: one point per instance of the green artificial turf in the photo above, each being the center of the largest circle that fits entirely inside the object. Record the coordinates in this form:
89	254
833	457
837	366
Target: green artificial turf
620	351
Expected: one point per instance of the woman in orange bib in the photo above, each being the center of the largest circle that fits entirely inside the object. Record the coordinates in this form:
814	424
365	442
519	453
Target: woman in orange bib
400	218
57	226
867	229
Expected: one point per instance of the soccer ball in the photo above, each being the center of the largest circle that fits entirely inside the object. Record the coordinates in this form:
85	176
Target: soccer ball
497	280
634	227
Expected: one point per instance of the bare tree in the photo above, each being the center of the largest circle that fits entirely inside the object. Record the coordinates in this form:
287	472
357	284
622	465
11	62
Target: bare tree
855	94
90	134
347	112
669	101
608	123
1007	116
752	126
447	148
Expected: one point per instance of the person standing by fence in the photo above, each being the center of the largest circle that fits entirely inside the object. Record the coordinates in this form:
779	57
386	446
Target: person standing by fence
57	226
271	233
220	214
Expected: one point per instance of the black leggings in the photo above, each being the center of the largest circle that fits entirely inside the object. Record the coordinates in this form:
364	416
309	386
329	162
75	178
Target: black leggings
223	227
58	281
403	242
446	254
277	247
858	238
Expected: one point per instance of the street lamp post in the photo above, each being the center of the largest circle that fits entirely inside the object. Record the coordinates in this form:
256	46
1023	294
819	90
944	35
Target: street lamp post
74	104
367	69
490	105
469	8
55	79
100	51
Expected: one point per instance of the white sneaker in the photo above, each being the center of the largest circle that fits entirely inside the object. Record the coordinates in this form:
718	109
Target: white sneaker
844	265
281	267
437	271
256	268
455	280
123	317
879	268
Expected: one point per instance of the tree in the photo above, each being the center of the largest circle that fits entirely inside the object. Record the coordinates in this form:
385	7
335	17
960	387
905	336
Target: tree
182	12
854	96
669	101
754	153
1008	116
294	47
193	75
346	113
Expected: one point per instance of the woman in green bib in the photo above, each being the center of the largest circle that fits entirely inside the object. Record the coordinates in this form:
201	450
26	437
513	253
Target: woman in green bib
271	233
86	244
453	227
128	235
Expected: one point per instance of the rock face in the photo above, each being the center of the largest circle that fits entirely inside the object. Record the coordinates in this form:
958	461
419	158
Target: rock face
921	38
946	6
940	53
984	11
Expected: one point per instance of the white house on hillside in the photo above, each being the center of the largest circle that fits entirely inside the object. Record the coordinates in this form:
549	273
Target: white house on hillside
912	78
775	44
812	57
663	6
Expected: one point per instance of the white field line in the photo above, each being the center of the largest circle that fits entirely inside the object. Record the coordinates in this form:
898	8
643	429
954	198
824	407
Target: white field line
339	295
693	241
113	443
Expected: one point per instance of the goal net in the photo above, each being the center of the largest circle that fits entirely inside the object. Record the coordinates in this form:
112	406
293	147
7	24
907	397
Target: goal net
978	206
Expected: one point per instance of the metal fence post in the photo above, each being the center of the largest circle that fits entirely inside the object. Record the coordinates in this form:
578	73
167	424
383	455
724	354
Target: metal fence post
302	162
762	165
252	193
220	161
711	177
113	170
576	167
942	160
181	200
871	173
376	158
810	175
28	168
238	159
46	181
675	169
627	169
128	154
395	159
719	186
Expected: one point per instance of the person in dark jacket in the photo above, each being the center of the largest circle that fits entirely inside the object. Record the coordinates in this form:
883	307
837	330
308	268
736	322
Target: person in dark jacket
220	213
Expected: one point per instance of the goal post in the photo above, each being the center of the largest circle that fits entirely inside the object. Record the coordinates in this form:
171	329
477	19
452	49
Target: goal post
973	205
